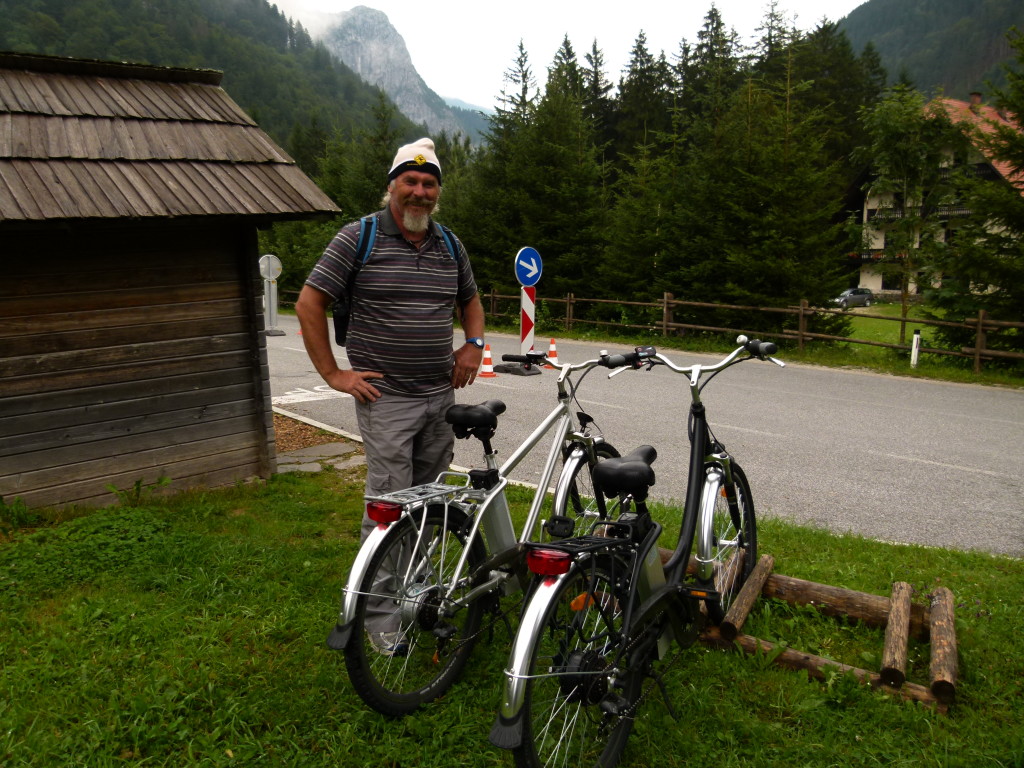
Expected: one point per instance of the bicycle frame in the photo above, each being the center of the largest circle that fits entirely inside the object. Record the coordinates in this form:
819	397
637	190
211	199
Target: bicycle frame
707	471
492	511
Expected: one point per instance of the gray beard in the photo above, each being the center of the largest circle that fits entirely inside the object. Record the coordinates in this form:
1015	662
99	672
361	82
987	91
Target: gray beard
415	222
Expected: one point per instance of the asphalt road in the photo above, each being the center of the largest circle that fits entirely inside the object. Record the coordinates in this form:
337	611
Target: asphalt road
891	458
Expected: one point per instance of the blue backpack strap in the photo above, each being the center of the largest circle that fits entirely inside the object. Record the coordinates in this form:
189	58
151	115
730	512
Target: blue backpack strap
367	234
450	241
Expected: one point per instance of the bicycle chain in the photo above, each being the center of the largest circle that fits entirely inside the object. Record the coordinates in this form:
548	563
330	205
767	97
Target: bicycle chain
496	616
644	694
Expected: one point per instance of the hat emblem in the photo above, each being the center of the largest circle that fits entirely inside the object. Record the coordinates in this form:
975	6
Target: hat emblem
419	160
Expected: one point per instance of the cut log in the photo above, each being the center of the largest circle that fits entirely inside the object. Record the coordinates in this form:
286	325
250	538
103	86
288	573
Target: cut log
897	633
873	610
748	594
816	666
943	667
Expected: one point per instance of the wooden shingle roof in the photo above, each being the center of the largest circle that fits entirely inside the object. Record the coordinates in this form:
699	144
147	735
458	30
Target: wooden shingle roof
94	140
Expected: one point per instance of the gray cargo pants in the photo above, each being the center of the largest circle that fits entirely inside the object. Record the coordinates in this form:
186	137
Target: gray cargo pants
407	443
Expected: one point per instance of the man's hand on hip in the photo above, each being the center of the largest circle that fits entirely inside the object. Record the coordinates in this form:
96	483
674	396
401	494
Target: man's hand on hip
355	383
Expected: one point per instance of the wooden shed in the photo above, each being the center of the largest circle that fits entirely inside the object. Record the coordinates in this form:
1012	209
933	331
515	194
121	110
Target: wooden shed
131	336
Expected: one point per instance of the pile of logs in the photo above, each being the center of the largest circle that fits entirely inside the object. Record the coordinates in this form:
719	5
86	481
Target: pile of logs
902	619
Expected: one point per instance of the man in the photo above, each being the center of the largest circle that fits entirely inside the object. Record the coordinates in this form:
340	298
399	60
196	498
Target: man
400	336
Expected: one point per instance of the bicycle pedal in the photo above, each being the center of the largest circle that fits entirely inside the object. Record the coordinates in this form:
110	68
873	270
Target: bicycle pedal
444	631
614	704
700	593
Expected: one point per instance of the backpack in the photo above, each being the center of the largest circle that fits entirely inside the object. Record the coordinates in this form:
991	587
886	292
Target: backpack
342	306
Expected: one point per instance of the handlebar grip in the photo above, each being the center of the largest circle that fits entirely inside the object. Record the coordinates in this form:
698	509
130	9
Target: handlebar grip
515	359
634	359
614	361
760	348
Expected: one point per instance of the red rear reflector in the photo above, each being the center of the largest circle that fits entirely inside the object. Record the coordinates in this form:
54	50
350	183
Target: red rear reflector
548	562
383	511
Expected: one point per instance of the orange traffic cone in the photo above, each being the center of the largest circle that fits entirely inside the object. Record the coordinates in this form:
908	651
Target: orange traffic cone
552	355
487	367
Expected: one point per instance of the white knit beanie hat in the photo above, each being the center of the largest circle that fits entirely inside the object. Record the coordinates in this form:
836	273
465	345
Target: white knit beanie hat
418	156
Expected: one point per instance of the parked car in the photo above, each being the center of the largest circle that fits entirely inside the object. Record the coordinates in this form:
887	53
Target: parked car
855	297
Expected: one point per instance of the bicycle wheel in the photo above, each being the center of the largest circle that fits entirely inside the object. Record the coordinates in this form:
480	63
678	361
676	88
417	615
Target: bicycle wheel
578	648
421	640
582	502
733	544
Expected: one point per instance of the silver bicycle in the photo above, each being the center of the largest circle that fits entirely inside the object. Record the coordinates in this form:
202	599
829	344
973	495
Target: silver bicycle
443	554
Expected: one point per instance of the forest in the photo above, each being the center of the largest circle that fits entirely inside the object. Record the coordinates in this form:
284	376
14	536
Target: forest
287	82
717	173
956	45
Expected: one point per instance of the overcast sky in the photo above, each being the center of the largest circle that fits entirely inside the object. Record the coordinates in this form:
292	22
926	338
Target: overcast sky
463	48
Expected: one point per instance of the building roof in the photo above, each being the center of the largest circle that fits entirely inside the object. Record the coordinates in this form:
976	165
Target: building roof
986	119
98	140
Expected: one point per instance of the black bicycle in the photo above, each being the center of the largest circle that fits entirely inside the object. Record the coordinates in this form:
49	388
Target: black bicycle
606	611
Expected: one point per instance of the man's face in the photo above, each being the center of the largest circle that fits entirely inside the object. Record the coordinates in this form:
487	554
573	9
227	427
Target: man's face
413	198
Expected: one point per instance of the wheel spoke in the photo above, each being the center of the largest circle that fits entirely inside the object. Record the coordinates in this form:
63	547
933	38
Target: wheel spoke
577	647
406	594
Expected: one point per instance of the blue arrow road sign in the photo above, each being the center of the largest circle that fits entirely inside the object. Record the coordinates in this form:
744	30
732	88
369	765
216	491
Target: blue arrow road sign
528	266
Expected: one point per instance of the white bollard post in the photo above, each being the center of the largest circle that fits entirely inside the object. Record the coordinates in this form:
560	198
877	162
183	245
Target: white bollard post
915	348
270	269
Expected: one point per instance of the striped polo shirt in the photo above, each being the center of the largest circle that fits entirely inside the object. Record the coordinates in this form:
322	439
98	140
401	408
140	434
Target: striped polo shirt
402	305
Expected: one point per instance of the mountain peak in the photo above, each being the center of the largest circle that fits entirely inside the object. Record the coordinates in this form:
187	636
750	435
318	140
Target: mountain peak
367	42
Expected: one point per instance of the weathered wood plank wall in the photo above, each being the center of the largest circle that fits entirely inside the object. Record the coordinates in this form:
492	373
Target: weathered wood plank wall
130	355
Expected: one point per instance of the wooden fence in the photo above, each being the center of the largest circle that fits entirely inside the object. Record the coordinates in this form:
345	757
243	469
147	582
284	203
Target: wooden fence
982	325
507	306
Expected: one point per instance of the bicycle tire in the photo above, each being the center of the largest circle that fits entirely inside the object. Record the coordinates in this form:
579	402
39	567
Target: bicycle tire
733	534
436	647
581	501
579	639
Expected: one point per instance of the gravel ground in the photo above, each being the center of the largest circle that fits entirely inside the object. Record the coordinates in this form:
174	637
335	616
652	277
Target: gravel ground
292	435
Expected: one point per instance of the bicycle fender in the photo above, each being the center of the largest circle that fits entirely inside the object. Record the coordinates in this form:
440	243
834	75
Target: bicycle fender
562	487
342	631
705	531
507	732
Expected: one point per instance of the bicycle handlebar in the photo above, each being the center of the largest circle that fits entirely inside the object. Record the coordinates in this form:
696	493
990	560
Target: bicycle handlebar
649	356
634	359
762	350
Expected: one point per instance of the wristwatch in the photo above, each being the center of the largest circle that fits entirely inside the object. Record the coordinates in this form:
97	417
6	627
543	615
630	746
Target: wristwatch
476	341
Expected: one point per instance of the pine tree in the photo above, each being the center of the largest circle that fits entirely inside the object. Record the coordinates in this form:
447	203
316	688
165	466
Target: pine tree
755	218
598	105
643	109
498	182
711	72
639	234
354	172
840	86
565	185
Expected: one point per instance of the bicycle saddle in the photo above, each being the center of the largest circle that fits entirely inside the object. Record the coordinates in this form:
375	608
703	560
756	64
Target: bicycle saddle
632	474
474	416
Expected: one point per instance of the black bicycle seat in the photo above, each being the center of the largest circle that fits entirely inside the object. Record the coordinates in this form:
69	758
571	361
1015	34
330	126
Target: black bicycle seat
475	416
632	474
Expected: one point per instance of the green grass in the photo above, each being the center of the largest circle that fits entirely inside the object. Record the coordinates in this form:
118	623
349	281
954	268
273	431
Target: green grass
189	631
